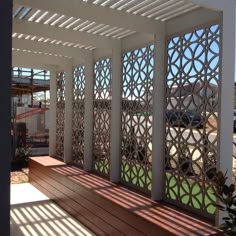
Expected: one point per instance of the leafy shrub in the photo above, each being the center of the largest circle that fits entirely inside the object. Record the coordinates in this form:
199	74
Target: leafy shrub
226	196
227	202
23	154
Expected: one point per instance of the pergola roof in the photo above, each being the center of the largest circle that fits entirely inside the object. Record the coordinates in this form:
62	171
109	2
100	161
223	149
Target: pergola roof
74	28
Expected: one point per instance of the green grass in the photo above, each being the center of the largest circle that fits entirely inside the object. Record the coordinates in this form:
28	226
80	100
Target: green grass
102	166
190	193
183	190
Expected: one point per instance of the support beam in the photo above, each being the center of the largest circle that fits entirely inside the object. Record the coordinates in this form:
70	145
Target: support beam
5	118
158	123
68	114
54	49
53	115
31	60
228	76
99	54
94	13
137	41
34	65
116	115
217	5
88	116
28	81
190	21
53	32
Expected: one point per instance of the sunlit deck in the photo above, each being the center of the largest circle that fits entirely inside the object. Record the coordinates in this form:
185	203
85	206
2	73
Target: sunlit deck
108	208
32	213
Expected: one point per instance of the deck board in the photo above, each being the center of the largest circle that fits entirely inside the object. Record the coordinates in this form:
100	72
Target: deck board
107	208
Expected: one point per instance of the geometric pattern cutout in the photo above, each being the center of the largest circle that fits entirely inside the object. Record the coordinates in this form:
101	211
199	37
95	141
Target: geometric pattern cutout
137	87
191	119
60	115
78	116
102	117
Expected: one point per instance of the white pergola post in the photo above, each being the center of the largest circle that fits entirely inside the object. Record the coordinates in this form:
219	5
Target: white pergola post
88	116
53	114
158	123
227	90
225	160
116	115
5	118
68	113
228	76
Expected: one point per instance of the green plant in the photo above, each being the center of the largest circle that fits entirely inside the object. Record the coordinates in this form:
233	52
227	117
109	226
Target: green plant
185	160
168	158
226	195
227	202
23	154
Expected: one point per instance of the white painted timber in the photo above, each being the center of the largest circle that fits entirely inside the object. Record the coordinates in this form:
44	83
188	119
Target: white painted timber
138	41
48	48
95	13
217	5
22	63
228	76
52	112
158	123
68	113
88	116
35	60
116	115
190	21
47	31
99	54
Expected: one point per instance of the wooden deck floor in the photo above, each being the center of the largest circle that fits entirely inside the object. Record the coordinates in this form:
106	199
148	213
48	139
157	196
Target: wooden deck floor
110	209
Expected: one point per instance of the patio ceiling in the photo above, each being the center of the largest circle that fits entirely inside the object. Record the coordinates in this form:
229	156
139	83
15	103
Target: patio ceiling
74	28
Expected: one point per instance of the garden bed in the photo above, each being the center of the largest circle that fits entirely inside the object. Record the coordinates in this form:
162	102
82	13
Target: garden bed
20	176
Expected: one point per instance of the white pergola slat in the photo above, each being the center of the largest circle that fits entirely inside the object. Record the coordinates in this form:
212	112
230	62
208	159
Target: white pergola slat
92	12
46	31
95	25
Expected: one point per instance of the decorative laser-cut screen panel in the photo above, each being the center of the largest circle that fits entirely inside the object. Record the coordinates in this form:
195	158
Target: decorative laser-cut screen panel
191	119
78	116
60	115
136	131
102	116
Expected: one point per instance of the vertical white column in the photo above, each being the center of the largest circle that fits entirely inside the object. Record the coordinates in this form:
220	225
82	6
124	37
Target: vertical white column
53	112
68	113
88	116
5	117
225	160
116	115
158	123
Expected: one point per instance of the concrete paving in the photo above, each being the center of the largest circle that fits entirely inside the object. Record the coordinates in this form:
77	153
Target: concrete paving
33	214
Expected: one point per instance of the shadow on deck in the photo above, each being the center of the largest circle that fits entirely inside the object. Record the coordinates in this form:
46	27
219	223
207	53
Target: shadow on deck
32	213
110	209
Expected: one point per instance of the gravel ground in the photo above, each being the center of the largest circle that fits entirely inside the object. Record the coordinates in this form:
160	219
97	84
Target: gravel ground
20	176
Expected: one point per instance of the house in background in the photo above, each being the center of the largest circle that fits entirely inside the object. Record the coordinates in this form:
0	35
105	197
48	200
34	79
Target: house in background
194	96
